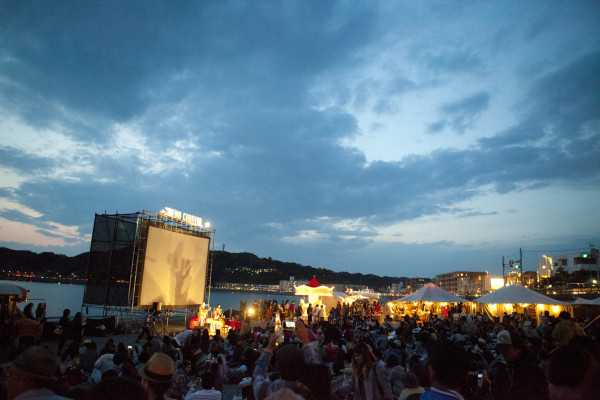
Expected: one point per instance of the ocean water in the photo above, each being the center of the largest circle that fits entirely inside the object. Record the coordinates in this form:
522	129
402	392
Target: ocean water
59	296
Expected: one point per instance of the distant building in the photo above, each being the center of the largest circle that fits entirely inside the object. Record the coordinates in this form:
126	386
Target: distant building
355	288
463	283
288	286
397	288
577	262
414	284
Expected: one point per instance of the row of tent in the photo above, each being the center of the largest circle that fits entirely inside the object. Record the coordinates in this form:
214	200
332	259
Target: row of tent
497	302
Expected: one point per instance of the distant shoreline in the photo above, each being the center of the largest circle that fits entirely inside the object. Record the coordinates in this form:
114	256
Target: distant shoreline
79	282
43	280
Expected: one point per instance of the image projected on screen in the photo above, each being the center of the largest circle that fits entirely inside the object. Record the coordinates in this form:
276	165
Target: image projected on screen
174	269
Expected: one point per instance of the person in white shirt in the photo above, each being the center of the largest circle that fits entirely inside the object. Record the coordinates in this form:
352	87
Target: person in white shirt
105	362
208	391
315	313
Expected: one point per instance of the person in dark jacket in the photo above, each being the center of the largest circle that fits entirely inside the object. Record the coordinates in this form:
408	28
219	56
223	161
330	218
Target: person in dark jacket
528	380
63	326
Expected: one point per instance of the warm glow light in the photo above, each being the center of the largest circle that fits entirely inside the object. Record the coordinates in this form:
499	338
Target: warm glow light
555	309
496	283
207	224
540	306
250	311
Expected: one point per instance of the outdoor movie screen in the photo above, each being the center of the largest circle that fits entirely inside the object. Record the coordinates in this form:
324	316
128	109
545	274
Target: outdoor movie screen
174	269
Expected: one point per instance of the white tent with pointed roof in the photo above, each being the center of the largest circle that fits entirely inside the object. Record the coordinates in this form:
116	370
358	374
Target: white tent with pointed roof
580	301
430	298
518	298
518	294
432	293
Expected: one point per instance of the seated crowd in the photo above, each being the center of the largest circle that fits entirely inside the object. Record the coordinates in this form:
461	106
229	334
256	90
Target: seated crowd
360	357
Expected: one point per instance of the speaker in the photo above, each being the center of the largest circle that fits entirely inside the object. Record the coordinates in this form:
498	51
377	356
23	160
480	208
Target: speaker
157	306
243	306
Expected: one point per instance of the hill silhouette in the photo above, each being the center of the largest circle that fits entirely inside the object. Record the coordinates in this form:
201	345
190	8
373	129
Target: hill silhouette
227	267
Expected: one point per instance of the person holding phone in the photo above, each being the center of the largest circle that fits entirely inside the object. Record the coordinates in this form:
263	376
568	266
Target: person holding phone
290	361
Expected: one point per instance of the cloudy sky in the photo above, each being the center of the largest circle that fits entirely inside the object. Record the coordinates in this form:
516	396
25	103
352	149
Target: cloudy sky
398	138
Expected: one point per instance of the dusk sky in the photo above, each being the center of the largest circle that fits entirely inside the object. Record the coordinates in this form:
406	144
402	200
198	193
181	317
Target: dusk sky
402	138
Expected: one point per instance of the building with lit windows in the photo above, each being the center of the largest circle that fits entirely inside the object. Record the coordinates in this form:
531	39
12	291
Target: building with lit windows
464	283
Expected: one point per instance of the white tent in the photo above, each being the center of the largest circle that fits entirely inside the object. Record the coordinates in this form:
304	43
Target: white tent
511	298
14	291
350	298
518	294
429	298
585	302
432	293
10	295
314	290
339	295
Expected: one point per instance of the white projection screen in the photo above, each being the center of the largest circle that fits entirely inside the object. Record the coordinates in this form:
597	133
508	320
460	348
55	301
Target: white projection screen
174	269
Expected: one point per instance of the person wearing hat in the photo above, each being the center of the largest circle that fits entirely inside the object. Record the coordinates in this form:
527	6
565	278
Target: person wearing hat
34	374
157	375
528	380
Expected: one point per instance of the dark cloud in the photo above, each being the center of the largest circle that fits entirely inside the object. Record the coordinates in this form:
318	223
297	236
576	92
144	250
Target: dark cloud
116	62
452	62
560	123
461	115
23	162
259	94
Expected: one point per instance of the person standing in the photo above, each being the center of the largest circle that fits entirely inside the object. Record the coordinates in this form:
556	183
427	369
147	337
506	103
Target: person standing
315	314
527	379
62	329
320	313
75	328
40	313
28	311
147	330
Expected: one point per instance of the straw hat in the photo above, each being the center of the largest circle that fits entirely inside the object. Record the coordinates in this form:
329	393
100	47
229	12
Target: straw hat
159	368
35	362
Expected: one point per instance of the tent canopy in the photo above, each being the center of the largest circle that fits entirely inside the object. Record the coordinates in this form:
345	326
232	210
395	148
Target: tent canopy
339	295
314	290
518	294
8	289
313	283
582	301
432	293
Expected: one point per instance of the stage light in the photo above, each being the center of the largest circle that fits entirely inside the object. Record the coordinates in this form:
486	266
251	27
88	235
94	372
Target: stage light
250	311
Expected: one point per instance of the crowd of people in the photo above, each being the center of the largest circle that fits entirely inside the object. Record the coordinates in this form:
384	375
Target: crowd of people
265	310
350	355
